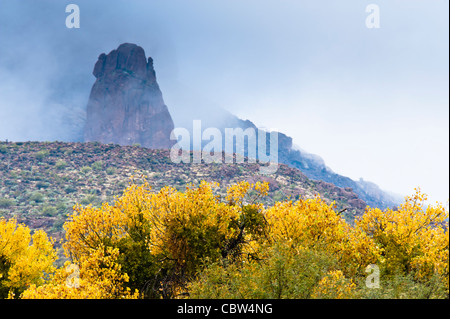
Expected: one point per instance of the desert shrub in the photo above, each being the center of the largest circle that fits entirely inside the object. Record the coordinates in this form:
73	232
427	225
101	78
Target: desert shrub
60	164
85	169
41	184
90	199
61	207
69	189
36	197
97	166
92	191
42	154
405	286
48	211
67	151
7	202
282	273
9	183
58	224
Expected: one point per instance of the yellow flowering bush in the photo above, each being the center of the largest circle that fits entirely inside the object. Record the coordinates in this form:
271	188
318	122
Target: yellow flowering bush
312	223
24	258
193	243
167	235
412	239
96	276
334	286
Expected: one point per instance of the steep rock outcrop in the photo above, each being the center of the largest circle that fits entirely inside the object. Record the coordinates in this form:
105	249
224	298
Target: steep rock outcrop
126	105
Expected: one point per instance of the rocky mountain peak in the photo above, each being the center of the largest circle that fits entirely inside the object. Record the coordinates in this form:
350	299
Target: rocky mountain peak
128	58
126	105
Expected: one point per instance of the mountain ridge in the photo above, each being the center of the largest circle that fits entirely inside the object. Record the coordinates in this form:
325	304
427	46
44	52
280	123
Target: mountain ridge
41	181
312	165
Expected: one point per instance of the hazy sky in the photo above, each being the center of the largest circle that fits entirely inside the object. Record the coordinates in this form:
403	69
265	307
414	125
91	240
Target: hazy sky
373	103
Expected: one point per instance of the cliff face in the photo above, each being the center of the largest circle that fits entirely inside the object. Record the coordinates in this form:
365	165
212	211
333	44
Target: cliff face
126	105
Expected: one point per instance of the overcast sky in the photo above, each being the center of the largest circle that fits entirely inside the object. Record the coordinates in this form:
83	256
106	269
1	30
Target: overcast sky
373	103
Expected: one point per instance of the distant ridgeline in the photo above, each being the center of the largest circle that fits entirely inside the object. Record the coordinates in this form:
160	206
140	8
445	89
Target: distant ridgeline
313	166
126	107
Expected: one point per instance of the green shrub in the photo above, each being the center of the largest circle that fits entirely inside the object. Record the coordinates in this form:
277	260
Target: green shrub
85	169
285	273
10	182
42	185
97	166
61	164
90	199
401	286
61	208
67	151
42	154
7	202
48	211
36	197
58	224
69	189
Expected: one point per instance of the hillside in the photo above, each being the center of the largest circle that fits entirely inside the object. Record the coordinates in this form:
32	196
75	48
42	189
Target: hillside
41	181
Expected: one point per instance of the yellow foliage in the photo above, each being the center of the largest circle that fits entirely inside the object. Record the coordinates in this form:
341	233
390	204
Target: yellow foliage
179	228
412	238
23	257
334	286
308	222
98	276
160	243
236	193
89	227
314	224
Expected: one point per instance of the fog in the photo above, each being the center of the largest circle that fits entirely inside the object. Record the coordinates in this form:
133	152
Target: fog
373	103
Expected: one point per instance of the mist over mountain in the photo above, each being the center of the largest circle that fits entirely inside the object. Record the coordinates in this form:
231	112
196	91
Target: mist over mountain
312	165
126	107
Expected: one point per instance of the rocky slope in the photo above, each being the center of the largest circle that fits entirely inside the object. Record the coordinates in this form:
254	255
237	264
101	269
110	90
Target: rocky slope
126	106
41	181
